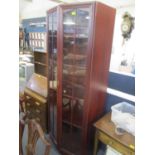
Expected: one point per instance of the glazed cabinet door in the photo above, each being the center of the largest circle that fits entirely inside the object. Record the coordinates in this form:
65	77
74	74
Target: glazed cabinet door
76	23
52	63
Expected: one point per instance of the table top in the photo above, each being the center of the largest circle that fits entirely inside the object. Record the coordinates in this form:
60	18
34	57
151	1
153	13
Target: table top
107	126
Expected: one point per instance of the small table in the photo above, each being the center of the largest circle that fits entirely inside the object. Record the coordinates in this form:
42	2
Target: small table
105	132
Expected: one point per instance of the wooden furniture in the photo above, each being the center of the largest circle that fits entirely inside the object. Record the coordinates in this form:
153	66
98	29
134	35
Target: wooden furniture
40	63
105	132
21	38
33	131
35	95
79	49
21	102
37	43
22	118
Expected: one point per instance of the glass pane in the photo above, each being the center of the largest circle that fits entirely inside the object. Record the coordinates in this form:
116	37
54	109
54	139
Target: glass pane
52	34
69	17
75	42
81	45
71	138
83	18
66	110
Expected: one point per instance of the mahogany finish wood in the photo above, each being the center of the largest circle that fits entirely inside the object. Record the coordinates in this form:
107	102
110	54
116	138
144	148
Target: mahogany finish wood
82	61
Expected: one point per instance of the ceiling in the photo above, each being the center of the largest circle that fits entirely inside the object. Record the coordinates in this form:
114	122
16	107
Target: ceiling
113	3
35	8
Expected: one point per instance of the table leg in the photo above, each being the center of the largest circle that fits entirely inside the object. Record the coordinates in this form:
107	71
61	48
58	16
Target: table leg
96	143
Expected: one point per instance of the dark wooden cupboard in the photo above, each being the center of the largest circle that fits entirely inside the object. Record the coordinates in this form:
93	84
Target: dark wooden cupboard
79	48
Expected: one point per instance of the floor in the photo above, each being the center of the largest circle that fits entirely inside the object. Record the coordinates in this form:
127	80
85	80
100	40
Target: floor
40	147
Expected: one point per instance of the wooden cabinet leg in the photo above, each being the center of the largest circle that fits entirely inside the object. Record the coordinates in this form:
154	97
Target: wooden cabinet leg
96	143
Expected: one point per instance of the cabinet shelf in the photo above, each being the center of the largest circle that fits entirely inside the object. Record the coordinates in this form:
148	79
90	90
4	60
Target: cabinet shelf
74	84
74	56
40	63
74	124
74	66
73	97
75	36
74	73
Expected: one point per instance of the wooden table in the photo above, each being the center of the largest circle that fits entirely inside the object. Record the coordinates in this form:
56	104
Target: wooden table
105	132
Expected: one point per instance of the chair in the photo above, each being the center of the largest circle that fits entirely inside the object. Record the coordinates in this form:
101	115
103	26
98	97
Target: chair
31	137
21	103
22	118
21	129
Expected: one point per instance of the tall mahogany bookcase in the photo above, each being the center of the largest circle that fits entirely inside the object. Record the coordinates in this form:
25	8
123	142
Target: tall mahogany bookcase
79	48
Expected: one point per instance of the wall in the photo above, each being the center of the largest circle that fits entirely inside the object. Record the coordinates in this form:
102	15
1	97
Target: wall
120	82
129	47
120	88
26	24
34	9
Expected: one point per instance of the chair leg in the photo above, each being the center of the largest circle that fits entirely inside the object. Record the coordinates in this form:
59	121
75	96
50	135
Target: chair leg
20	139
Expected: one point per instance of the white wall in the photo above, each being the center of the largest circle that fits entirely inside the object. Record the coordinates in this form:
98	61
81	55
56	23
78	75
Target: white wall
117	48
36	8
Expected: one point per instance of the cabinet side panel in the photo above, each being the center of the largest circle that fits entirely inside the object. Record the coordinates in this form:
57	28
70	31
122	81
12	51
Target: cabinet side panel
104	25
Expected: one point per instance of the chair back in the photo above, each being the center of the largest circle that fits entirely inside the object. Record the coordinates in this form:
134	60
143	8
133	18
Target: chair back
33	132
